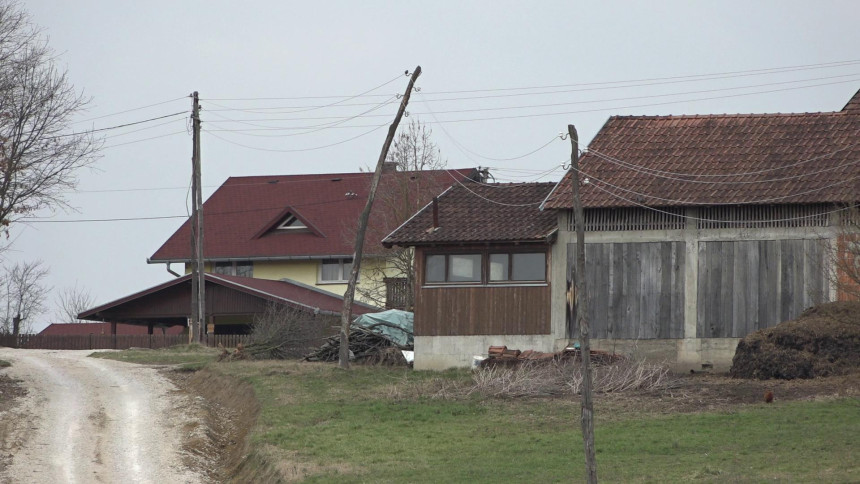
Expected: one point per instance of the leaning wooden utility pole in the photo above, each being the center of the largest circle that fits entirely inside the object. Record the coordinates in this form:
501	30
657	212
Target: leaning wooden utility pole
580	302
345	314
198	285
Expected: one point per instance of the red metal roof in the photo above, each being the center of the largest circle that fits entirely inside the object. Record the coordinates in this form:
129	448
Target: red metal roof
241	217
283	291
71	329
721	159
475	212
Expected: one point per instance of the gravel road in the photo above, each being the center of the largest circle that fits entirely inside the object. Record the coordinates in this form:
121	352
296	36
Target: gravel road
93	420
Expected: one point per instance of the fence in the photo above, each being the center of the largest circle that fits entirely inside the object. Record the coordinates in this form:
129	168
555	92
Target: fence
117	342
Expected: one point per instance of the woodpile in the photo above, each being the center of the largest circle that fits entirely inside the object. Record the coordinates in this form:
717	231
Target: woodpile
502	356
365	346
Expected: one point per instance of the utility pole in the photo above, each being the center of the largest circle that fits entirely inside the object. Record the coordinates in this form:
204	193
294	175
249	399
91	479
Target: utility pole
580	302
198	284
345	314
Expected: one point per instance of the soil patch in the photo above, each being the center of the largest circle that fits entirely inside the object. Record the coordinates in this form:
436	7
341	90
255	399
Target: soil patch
229	410
823	341
10	391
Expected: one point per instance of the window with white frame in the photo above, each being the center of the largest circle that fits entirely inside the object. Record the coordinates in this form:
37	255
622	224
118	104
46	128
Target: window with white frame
335	270
292	223
235	268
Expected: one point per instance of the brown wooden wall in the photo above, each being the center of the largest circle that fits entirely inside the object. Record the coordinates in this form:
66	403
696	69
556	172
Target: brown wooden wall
480	310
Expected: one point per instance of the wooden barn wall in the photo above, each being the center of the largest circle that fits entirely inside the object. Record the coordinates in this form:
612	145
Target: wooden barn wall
466	311
635	290
744	286
480	309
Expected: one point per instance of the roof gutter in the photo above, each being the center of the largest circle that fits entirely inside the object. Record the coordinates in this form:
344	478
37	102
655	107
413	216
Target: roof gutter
252	258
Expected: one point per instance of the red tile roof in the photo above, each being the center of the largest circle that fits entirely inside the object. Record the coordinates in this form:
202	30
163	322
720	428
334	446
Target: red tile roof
69	329
241	216
283	291
476	212
721	159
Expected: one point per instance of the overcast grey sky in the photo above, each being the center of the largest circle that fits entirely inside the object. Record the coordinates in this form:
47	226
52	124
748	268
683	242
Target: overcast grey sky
132	54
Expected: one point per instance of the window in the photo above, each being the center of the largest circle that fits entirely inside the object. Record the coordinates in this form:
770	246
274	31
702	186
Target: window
464	268
291	223
486	267
235	268
335	270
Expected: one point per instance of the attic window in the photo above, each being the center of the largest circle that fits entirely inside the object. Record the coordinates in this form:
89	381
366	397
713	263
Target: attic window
292	223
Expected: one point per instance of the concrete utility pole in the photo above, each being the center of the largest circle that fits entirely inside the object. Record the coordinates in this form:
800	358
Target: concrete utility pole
580	302
198	284
348	297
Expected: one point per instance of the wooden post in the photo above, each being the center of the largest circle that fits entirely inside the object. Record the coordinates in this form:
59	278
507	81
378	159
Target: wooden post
16	329
580	302
362	226
198	285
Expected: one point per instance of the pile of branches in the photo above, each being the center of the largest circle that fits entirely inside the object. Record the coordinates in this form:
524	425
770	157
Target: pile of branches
282	332
365	346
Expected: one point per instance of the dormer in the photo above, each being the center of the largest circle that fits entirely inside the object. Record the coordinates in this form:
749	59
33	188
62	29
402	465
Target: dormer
288	221
291	222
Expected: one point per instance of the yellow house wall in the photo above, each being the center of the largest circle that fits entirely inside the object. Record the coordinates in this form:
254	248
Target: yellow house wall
307	272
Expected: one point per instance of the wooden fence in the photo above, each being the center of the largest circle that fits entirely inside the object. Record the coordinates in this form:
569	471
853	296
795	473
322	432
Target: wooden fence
117	342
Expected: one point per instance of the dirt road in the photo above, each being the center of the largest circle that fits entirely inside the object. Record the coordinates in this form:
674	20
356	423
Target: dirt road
93	420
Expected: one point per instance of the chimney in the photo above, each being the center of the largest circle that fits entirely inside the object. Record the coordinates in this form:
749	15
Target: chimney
389	166
435	212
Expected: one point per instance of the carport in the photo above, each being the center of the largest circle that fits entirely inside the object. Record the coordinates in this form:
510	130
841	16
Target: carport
232	302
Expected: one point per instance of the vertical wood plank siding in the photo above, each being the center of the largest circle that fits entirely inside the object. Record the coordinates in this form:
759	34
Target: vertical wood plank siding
635	290
480	309
744	286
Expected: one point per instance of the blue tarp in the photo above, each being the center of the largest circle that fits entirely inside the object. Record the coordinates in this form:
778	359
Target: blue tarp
394	324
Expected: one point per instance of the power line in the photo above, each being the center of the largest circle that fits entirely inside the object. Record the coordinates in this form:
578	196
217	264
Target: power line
126	111
144	139
347	98
747	202
295	149
687	217
118	126
649	171
738	182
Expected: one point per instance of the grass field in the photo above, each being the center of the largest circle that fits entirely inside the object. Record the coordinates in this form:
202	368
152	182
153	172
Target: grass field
321	424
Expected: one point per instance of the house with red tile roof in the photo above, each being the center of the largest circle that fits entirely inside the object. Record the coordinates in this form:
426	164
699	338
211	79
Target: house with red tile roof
287	239
698	229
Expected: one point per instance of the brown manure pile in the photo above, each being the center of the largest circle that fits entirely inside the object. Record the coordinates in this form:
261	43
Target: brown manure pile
823	341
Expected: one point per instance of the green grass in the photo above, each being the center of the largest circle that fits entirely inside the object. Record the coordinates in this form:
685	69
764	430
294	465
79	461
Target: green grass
366	425
191	356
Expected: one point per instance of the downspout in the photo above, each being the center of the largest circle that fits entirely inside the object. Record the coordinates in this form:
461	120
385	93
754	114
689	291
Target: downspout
167	265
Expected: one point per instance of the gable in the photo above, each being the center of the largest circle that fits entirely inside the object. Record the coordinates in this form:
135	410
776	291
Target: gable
288	221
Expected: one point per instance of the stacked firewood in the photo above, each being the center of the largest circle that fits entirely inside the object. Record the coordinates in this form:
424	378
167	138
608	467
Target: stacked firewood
365	346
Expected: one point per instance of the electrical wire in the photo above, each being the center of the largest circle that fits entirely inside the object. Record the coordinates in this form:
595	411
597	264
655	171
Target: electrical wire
295	150
687	217
347	98
739	182
117	126
126	111
144	139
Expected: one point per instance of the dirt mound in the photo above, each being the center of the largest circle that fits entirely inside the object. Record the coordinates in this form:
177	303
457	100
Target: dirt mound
823	341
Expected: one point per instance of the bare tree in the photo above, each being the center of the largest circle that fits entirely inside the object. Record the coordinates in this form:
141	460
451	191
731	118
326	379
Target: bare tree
72	301
39	151
398	198
23	296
